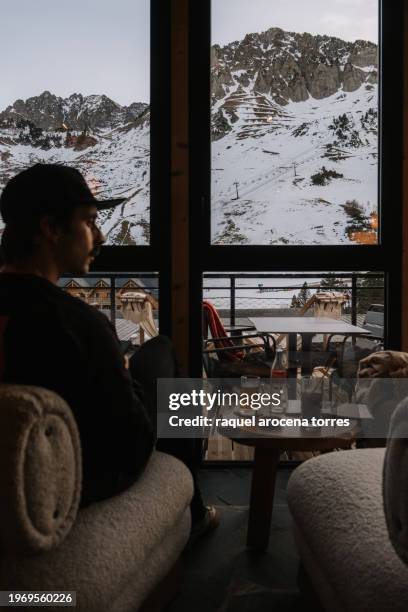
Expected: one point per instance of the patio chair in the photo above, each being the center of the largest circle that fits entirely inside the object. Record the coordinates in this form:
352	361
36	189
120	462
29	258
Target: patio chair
345	355
252	355
213	326
350	353
340	360
238	354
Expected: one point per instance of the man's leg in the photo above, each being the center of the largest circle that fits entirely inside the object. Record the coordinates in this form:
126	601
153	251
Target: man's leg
156	359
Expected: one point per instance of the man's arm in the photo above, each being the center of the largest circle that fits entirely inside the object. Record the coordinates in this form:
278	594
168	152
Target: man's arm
83	363
120	402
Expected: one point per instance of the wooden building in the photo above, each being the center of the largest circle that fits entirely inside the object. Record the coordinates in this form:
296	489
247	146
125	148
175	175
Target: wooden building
97	291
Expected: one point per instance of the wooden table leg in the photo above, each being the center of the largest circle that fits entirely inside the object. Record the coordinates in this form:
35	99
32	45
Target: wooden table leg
261	502
292	355
307	364
292	365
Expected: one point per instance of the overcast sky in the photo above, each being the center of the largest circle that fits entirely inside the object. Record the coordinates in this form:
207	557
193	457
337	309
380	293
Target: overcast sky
346	19
103	46
82	46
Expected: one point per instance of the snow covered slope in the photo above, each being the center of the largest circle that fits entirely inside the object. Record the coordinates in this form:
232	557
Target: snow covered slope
287	167
294	151
108	143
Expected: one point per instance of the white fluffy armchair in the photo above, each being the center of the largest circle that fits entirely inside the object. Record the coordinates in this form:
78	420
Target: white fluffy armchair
350	510
112	553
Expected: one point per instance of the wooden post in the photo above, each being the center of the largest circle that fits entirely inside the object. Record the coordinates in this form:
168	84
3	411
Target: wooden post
404	280
180	182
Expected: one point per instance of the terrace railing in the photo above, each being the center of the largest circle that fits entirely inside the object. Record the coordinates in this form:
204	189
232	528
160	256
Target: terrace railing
352	283
362	288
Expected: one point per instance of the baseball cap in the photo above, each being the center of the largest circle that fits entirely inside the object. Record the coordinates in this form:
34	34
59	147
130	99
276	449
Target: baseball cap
46	189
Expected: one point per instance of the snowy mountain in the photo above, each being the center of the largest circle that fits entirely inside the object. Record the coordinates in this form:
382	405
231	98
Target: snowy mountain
294	140
294	143
107	142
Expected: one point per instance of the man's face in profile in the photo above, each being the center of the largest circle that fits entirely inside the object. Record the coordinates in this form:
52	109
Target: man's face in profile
79	244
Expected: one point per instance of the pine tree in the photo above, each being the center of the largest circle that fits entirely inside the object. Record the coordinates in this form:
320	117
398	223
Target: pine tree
295	302
304	294
298	301
331	282
369	291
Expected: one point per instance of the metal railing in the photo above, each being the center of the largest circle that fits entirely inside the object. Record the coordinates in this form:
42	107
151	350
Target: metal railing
351	286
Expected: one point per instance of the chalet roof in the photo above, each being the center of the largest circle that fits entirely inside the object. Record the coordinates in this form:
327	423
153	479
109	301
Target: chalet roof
80	282
90	282
148	283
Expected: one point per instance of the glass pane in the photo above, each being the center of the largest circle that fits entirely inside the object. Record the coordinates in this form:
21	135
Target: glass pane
251	318
294	106
75	90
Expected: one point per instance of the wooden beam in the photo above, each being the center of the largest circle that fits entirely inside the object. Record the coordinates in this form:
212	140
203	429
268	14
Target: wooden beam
180	182
404	279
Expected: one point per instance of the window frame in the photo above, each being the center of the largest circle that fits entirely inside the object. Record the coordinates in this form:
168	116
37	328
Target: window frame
155	256
385	257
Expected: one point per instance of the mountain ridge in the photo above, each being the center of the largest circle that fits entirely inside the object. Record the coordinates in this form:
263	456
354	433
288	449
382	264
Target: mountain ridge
75	113
290	66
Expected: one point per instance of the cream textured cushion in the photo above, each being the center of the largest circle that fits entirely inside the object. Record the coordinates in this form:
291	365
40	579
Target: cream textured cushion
40	469
119	548
112	553
395	483
337	505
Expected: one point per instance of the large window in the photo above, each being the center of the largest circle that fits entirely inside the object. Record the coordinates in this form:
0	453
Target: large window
294	122
76	90
86	86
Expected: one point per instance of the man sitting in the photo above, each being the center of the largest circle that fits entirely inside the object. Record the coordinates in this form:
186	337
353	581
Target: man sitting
53	340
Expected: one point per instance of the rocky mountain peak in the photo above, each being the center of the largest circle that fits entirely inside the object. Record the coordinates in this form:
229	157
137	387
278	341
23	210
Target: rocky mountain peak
290	66
76	112
47	120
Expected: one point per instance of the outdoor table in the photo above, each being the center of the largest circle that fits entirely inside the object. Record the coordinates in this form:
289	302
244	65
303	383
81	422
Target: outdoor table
266	461
306	327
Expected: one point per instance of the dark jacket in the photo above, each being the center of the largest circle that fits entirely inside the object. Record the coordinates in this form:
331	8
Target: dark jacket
53	340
